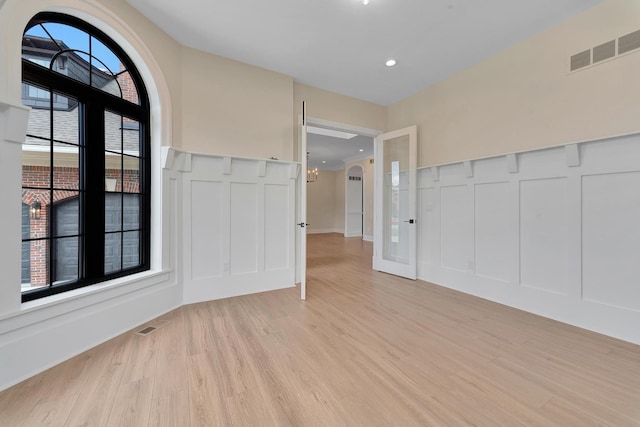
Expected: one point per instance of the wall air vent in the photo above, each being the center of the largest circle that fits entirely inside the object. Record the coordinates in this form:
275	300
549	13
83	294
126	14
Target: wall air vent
580	60
370	161
629	42
604	51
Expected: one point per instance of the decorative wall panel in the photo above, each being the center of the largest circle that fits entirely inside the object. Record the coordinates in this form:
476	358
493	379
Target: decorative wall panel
611	239
553	231
543	234
239	227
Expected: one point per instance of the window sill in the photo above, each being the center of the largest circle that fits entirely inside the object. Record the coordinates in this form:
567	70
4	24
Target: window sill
55	305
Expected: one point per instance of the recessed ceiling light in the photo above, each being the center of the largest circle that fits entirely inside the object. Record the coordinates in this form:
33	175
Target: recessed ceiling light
362	149
324	161
390	62
365	2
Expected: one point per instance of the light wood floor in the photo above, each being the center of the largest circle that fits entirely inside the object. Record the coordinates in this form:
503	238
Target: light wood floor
365	349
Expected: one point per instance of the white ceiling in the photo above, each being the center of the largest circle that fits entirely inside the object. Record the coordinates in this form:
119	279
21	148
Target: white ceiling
335	151
341	45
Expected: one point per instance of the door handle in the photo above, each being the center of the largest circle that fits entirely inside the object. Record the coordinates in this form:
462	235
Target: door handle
410	221
302	224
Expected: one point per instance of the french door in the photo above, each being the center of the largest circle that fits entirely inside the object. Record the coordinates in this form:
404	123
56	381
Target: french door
302	196
395	203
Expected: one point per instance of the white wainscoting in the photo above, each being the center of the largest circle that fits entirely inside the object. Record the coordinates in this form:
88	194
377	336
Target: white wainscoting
555	232
239	227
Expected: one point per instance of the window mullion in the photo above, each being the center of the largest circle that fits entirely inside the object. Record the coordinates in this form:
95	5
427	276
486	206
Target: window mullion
94	192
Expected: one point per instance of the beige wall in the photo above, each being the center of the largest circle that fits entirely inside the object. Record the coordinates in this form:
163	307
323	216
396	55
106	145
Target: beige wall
218	106
525	97
326	200
234	108
331	106
321	202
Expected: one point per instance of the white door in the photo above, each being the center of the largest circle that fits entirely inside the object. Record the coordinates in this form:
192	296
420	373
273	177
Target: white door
354	202
395	203
302	221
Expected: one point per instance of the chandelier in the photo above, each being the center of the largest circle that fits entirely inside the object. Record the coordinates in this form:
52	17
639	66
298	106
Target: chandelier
312	174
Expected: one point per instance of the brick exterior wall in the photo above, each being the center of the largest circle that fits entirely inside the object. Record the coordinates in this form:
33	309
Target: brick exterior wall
66	178
129	91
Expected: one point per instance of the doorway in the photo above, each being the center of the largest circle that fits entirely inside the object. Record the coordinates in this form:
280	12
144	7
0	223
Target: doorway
327	162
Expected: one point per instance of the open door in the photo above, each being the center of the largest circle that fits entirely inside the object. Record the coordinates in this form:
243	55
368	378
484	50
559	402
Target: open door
395	203
302	195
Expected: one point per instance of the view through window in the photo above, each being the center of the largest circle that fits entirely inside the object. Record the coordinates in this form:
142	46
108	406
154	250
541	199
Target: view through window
86	159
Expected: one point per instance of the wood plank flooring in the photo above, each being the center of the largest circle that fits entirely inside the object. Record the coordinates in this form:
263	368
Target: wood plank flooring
365	349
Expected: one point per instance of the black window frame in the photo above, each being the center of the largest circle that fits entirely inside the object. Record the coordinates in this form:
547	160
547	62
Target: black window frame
93	103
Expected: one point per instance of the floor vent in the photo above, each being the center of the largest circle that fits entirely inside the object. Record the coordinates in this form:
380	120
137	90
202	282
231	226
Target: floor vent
149	329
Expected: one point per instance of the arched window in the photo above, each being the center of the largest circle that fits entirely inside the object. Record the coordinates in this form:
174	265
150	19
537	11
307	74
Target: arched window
86	169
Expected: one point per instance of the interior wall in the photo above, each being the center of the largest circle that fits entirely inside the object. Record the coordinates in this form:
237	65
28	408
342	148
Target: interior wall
235	109
334	107
554	232
239	226
525	97
321	203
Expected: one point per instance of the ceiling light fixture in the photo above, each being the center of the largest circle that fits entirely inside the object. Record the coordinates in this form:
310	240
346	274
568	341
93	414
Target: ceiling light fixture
390	62
361	150
365	2
312	174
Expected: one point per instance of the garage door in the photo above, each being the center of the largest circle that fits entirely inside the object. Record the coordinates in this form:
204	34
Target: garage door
122	249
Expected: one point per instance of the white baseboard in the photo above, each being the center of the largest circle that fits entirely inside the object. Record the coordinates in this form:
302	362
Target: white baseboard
37	346
325	230
367	238
213	288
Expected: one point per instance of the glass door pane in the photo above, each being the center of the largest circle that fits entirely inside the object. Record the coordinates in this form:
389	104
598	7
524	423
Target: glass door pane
395	203
395	200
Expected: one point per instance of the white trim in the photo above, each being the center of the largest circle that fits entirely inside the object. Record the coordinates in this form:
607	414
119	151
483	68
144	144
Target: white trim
325	230
533	150
343	127
367	238
13	122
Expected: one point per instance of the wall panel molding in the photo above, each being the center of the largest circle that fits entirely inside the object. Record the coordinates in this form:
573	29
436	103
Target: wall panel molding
239	234
554	232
